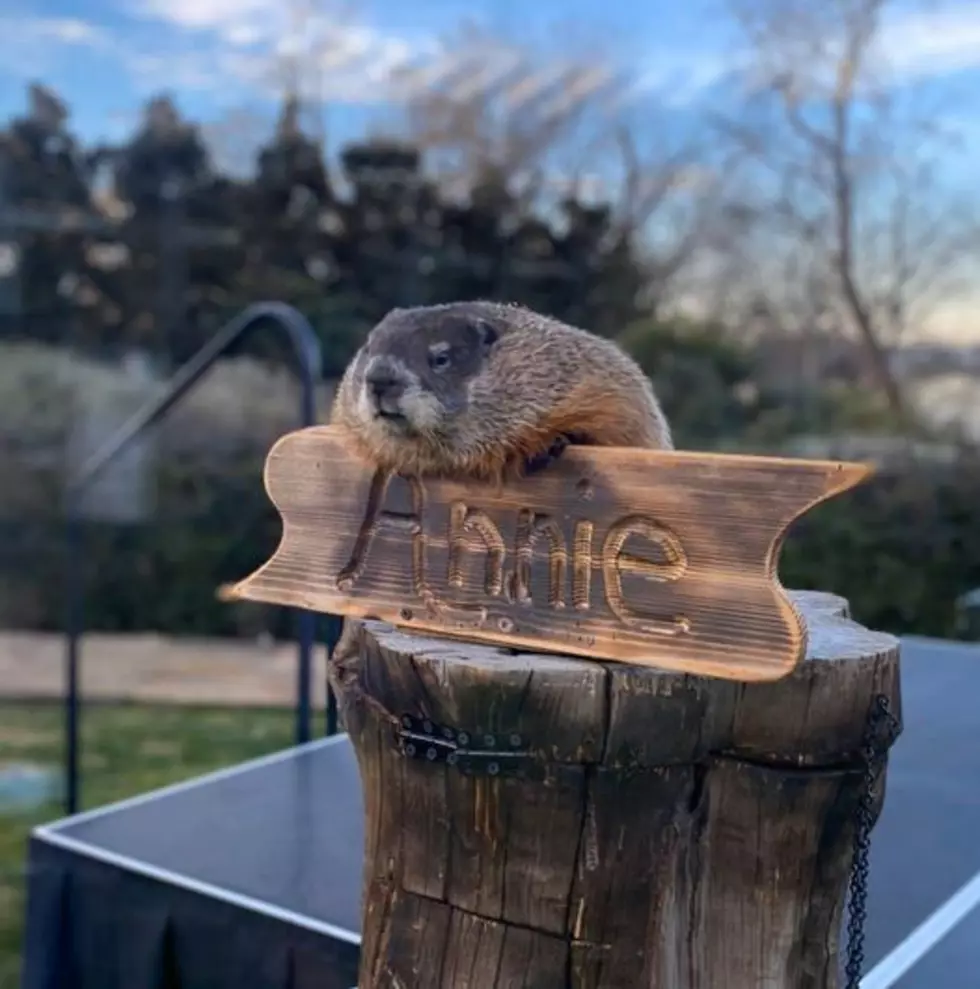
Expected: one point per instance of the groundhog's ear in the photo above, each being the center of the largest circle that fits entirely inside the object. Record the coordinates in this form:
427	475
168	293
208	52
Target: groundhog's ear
487	332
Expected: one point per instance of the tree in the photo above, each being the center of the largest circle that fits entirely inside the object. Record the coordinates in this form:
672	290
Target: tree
165	159
178	232
504	107
707	382
44	162
841	176
546	130
181	247
286	201
45	185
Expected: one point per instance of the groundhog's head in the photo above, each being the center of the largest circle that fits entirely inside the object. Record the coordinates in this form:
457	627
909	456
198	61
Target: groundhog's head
416	366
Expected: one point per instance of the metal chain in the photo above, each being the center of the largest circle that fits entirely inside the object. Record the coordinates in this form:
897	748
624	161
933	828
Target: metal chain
874	749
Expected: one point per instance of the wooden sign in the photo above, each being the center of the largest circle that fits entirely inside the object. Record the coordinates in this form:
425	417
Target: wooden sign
655	558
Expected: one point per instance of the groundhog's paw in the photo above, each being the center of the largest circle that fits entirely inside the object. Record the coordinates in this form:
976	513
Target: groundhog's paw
541	460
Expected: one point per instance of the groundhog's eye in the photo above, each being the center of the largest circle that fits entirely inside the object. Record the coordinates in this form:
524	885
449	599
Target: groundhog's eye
439	358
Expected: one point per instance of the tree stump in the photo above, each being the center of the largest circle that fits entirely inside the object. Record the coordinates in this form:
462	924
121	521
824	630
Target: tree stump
557	823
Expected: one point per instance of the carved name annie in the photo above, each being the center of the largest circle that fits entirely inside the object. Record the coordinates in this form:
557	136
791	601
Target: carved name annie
642	556
470	531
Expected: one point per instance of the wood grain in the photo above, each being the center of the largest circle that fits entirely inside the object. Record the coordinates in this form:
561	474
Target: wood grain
681	832
643	557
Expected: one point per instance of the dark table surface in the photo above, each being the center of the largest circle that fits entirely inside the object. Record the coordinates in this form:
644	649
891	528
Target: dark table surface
251	876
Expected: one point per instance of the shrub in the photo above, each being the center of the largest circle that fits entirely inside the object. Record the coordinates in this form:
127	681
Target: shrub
901	547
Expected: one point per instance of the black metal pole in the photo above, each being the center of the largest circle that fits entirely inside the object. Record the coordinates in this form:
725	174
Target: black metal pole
73	629
304	674
306	620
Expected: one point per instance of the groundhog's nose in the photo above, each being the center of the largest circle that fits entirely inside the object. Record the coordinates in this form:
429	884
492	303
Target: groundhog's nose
385	387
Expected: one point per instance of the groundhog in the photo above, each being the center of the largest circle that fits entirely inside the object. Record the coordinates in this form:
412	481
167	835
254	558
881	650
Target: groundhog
488	390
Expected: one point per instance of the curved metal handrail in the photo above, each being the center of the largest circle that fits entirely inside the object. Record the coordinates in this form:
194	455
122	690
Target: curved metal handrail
303	341
306	347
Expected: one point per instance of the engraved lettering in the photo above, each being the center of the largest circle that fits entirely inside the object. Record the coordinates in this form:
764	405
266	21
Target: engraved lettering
615	562
464	524
374	518
582	564
529	528
473	530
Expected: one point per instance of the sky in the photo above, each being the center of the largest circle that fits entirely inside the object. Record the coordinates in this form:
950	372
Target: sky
217	55
218	58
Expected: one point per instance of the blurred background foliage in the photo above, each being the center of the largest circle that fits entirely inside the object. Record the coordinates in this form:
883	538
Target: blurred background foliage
126	259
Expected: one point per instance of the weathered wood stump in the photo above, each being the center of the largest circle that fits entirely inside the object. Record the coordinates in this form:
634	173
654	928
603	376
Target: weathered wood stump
622	827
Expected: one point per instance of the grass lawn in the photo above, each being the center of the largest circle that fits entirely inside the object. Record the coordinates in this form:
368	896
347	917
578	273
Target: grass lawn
126	749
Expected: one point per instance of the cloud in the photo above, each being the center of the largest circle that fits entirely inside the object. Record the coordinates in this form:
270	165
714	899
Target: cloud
236	50
677	78
223	15
30	45
912	46
225	49
923	45
64	30
251	43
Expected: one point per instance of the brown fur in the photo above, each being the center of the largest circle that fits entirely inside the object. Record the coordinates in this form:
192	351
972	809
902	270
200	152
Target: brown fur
539	382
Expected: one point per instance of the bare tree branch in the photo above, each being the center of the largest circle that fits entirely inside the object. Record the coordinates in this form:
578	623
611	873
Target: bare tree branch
560	125
841	178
